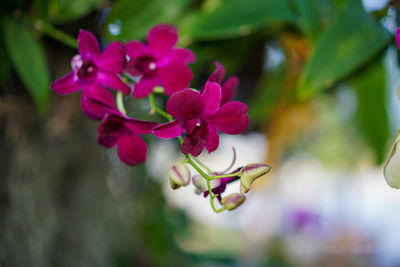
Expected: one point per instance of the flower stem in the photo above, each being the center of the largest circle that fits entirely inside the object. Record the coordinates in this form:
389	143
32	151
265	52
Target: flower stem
55	33
120	102
205	176
161	112
158	110
226	175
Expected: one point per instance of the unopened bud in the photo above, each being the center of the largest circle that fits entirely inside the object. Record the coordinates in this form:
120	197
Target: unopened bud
250	173
391	170
233	201
179	175
201	184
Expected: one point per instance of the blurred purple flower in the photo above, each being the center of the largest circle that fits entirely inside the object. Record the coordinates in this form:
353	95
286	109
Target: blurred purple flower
123	131
92	70
159	63
200	116
397	37
299	219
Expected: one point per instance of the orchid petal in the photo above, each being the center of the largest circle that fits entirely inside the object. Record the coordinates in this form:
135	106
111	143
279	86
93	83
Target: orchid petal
397	37
136	49
139	126
231	118
96	101
87	44
175	77
190	125
162	39
185	104
216	76
110	130
169	130
195	142
67	84
112	59
183	55
132	149
229	89
212	98
144	87
113	81
212	139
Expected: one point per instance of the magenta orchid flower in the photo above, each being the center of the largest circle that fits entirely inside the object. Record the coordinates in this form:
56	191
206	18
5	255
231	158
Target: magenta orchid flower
228	88
397	37
159	63
200	116
123	131
92	71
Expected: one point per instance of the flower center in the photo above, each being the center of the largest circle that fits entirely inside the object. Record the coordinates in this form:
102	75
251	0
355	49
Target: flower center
146	65
87	72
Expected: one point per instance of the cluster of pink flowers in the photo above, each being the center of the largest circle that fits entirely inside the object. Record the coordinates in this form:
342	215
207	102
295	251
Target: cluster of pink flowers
136	69
201	114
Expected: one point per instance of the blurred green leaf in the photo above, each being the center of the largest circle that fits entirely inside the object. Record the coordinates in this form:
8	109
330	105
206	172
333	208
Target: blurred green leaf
234	18
268	94
372	118
61	11
132	19
309	16
28	59
350	41
4	61
41	9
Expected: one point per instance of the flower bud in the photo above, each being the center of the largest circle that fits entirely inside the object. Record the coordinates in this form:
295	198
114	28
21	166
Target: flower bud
251	172
391	170
179	175
233	201
201	184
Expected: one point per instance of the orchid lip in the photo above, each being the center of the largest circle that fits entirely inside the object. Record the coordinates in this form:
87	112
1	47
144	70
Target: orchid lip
146	65
87	72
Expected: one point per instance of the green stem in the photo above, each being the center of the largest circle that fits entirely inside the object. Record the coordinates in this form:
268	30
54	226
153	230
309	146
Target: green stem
205	176
120	102
57	34
158	110
226	175
161	112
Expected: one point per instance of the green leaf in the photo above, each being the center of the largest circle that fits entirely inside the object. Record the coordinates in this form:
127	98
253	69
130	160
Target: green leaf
372	118
350	41
4	62
235	18
61	11
267	95
309	15
28	59
41	9
132	19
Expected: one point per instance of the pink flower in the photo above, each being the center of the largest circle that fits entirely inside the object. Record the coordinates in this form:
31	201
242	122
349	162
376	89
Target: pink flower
92	70
200	116
159	63
397	37
123	131
228	88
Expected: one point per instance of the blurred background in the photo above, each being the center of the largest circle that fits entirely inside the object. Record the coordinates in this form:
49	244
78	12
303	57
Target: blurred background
320	79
